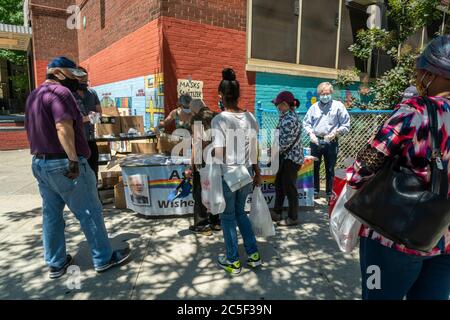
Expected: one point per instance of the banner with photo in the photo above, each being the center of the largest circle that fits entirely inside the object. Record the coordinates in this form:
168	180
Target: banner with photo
147	189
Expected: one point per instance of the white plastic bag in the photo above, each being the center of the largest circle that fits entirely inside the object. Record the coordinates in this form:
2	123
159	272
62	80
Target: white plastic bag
260	215
237	178
343	226
212	193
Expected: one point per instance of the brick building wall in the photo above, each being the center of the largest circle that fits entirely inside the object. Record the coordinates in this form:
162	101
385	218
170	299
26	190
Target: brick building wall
126	39
201	52
13	140
107	22
136	54
51	37
201	37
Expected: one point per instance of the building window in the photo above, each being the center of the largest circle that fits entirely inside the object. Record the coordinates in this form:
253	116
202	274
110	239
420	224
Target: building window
274	30
318	33
319	28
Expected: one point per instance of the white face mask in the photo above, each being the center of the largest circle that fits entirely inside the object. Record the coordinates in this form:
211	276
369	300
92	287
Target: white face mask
325	99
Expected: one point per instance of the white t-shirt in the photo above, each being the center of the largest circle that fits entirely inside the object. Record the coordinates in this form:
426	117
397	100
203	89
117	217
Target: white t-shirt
238	133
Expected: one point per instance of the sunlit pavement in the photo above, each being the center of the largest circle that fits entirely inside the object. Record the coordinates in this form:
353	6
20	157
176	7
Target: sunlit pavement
168	262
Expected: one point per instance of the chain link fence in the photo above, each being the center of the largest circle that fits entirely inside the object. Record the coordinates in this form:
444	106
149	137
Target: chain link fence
364	124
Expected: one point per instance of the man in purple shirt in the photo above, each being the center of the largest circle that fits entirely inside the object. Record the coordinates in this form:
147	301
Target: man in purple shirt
57	139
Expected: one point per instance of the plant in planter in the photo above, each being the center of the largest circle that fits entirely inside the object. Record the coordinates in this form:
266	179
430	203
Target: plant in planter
345	79
409	17
389	89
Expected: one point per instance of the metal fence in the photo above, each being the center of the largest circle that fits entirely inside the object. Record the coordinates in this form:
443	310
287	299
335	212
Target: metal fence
364	124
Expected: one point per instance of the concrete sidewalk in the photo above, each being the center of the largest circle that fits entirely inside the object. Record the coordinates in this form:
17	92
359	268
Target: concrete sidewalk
168	261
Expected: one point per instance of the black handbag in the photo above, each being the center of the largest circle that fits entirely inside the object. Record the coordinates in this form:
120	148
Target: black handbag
400	206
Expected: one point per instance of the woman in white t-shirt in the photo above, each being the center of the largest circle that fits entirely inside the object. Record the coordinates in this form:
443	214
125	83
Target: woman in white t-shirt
235	143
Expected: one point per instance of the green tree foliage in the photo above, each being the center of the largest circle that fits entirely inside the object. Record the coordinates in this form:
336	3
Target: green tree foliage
11	12
408	17
389	88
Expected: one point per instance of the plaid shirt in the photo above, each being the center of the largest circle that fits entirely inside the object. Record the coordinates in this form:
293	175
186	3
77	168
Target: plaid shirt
406	133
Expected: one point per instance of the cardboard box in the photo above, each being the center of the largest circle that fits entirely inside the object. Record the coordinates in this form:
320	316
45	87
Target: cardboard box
119	196
108	126
110	111
165	144
144	147
124	112
110	178
132	122
104	148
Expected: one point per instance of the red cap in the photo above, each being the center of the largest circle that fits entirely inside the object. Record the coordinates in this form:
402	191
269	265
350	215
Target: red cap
285	96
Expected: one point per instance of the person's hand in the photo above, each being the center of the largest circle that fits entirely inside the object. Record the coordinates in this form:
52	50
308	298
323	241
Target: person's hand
74	170
257	180
330	137
188	173
313	138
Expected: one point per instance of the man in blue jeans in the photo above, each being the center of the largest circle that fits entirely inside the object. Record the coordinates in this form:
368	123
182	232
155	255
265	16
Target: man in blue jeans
57	141
324	123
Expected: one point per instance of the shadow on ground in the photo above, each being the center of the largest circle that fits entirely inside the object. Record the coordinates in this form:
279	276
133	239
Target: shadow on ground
169	262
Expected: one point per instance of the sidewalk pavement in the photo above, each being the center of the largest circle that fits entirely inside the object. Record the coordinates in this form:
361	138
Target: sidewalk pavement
168	261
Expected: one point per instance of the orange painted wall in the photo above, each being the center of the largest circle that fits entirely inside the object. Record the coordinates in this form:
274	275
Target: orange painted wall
135	55
202	51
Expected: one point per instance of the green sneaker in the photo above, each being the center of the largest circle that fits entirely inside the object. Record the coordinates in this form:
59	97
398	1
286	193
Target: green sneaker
230	267
254	260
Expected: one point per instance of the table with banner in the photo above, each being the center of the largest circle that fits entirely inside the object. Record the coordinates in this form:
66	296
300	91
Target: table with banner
149	180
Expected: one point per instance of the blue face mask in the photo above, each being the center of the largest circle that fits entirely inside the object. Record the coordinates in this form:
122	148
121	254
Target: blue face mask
325	99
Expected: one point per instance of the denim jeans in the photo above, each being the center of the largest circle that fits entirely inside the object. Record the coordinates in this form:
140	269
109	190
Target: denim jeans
403	275
235	215
81	197
329	151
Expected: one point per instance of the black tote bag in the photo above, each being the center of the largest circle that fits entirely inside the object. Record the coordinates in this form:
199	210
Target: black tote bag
400	206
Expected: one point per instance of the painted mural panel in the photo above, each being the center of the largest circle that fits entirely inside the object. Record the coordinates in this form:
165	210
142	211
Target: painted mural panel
142	96
269	85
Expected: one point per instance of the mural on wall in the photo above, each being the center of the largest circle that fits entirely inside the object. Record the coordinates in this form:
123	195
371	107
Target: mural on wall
142	96
154	93
269	85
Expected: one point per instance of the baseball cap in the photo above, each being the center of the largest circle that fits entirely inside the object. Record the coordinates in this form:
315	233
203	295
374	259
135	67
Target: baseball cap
284	96
65	63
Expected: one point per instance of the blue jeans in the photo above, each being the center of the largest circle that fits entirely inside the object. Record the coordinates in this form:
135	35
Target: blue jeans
329	151
81	197
404	275
235	215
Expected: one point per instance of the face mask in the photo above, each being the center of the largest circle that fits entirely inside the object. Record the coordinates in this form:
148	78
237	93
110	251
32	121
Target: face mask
83	86
71	84
325	99
221	106
188	111
421	89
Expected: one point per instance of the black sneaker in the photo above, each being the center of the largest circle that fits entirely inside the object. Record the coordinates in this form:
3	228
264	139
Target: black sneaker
276	217
118	257
203	230
56	273
288	223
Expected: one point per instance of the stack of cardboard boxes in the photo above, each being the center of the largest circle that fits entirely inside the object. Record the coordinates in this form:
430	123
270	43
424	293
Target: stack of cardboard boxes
113	124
